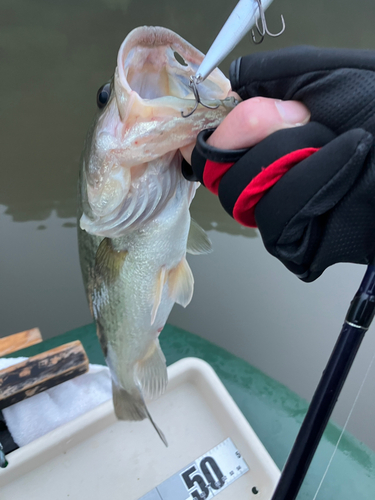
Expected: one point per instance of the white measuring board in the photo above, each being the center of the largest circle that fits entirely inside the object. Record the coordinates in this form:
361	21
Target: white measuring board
196	413
204	478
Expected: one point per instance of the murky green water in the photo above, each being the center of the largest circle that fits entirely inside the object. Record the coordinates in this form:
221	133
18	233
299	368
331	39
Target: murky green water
54	56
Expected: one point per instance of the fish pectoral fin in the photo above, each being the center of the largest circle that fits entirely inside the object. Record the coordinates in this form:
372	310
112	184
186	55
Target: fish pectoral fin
198	242
108	261
160	282
181	283
151	372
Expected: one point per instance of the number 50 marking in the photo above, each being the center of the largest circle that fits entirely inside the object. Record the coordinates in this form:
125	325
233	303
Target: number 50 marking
212	477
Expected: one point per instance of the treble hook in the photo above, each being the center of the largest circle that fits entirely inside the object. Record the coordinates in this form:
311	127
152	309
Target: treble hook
194	80
262	32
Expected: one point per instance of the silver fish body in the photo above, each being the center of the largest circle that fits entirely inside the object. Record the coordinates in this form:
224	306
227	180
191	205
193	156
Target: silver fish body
134	221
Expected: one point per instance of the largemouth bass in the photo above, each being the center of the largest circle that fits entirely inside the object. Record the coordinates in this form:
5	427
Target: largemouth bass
134	221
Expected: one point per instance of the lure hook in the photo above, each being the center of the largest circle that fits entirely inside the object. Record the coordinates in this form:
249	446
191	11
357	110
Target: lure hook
194	80
264	28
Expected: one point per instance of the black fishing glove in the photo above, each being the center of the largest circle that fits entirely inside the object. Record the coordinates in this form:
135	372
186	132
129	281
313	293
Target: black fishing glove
310	190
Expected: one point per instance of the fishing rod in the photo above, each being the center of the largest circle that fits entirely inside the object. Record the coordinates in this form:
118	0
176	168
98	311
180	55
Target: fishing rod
358	320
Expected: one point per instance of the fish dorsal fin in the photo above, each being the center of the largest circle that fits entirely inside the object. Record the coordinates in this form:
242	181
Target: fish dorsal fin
198	242
181	283
151	372
108	261
160	282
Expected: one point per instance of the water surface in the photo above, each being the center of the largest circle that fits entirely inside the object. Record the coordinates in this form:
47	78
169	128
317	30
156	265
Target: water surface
55	55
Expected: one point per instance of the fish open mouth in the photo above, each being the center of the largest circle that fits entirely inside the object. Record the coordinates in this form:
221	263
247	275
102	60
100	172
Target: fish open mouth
133	170
155	62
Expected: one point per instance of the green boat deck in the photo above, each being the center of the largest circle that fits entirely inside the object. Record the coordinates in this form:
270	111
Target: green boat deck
274	412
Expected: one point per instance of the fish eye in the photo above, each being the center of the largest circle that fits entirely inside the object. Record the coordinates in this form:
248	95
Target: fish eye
103	95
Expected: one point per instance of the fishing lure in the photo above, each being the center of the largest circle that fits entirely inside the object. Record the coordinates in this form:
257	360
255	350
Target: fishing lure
245	15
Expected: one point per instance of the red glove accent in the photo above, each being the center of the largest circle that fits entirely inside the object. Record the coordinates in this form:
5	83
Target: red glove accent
212	174
243	211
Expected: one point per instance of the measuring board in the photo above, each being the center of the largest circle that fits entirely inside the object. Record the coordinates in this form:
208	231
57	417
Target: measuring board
198	416
204	478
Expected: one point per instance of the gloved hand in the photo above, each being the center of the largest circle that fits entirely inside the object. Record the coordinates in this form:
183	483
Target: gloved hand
311	189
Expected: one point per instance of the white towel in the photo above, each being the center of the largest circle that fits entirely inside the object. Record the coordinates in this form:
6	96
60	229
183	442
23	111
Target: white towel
35	416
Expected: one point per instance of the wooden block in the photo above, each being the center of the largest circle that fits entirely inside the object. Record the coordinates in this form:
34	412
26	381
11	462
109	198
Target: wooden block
41	372
20	340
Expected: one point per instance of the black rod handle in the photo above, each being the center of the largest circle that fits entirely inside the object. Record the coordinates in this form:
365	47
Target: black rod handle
358	320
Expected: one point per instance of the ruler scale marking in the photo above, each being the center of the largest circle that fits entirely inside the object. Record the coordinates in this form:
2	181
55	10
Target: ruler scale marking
204	478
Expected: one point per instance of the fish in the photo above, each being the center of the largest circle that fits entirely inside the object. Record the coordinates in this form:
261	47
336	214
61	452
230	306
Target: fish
134	225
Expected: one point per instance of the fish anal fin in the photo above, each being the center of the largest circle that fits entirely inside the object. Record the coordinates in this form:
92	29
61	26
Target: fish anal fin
108	261
181	283
198	242
160	282
151	372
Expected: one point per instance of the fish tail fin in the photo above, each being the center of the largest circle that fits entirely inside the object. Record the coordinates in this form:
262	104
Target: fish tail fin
131	406
128	405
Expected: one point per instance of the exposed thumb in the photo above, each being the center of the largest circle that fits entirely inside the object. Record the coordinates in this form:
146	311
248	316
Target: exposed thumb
253	120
